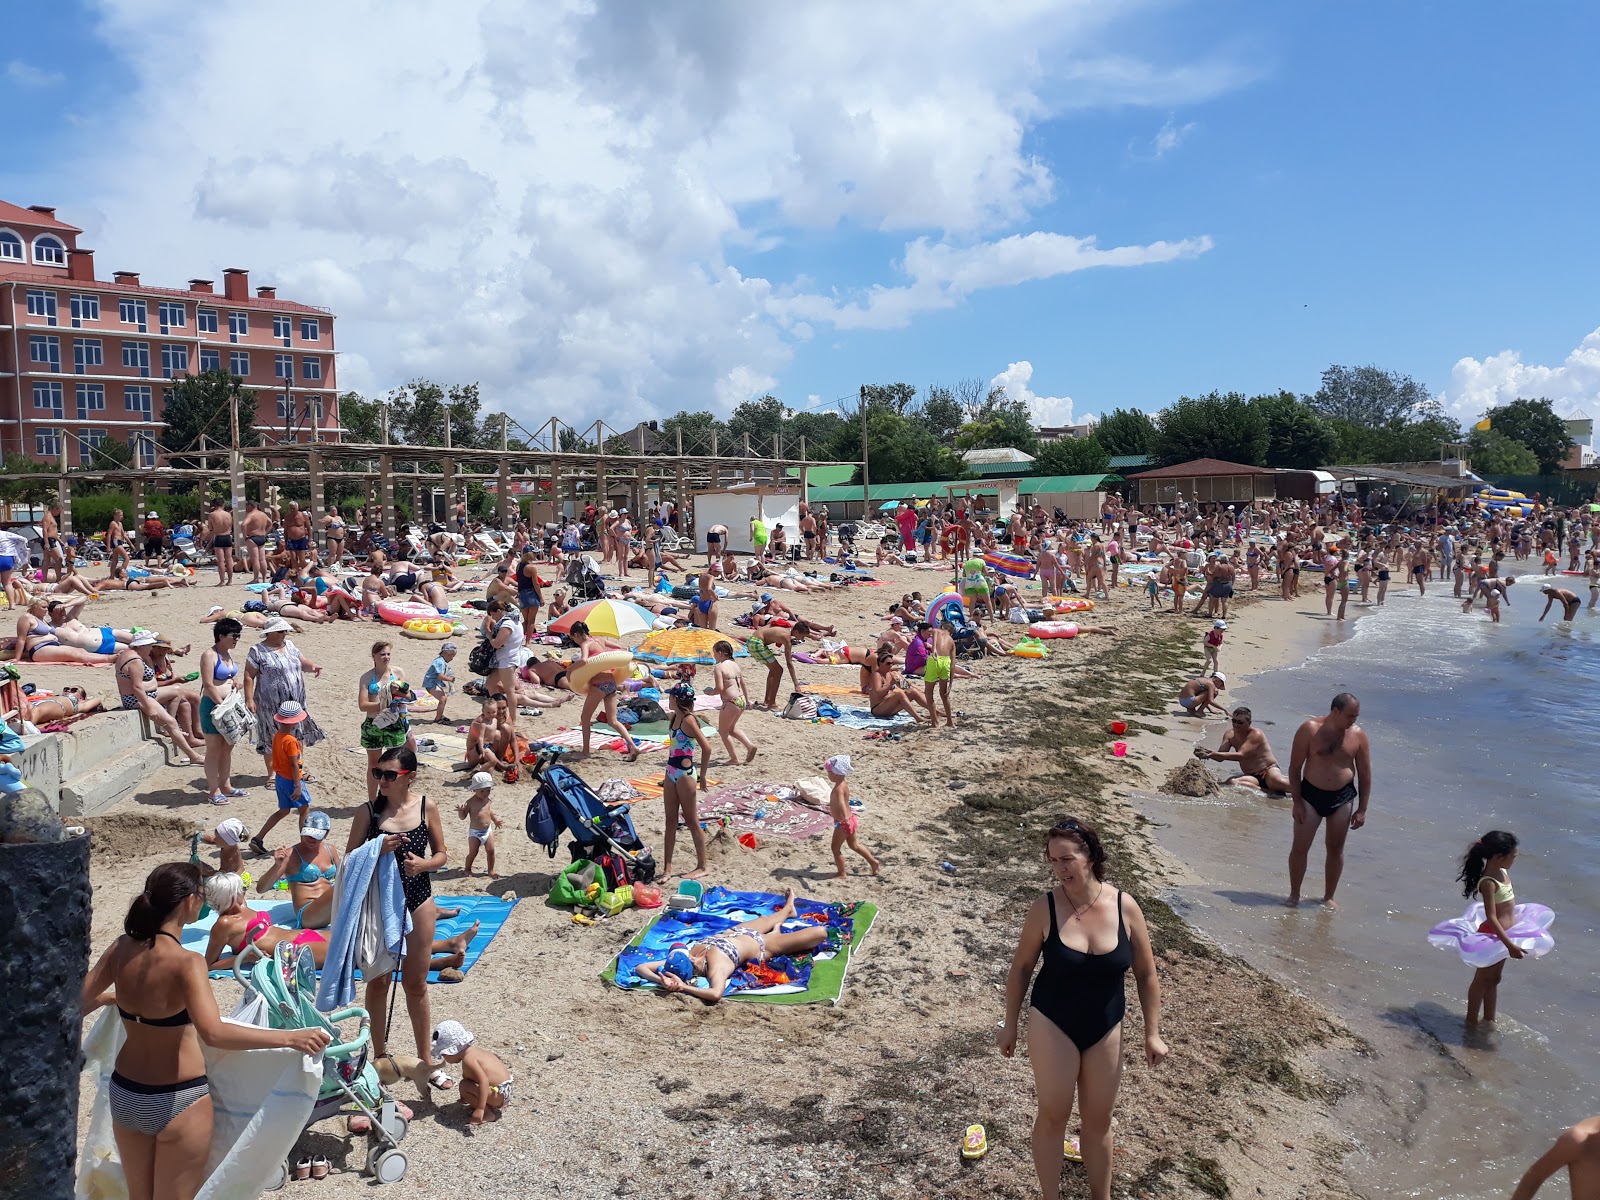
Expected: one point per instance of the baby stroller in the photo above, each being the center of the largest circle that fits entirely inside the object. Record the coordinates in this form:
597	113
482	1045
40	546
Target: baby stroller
969	641
584	581
565	803
286	987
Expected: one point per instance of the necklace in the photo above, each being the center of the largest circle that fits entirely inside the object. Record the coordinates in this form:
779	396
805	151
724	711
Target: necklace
1092	901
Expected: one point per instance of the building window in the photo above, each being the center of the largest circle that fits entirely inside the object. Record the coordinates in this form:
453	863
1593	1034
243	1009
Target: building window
133	312
10	246
283	366
49	250
93	437
84	308
136	357
319	410
47	443
42	348
238	326
144	449
91	399
42	304
285	407
48	397
87	352
311	368
239	363
210	360
171	315
281	327
173	360
310	329
205	320
136	399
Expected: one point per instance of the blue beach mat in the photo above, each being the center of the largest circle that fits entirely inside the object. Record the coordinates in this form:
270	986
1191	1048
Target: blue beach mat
851	717
490	910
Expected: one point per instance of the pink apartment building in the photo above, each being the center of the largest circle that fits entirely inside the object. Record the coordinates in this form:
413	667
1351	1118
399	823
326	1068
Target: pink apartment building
85	359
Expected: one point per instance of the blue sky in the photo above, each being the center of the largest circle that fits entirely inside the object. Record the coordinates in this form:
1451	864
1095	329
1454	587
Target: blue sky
680	215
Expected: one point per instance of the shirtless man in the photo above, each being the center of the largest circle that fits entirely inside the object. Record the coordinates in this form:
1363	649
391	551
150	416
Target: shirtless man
297	536
1200	695
116	543
1569	601
1330	765
716	542
253	528
219	528
50	532
1421	561
808	534
1578	1150
1220	590
763	645
1246	745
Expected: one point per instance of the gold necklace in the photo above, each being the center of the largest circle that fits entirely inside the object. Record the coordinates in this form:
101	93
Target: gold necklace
1093	900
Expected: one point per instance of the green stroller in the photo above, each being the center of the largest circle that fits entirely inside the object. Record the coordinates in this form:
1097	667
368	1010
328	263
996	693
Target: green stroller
281	993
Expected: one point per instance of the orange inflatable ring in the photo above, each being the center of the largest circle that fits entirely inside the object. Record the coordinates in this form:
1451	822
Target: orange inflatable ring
429	628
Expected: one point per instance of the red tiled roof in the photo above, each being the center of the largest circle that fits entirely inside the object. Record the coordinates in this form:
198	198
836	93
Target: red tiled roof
59	278
1201	468
15	214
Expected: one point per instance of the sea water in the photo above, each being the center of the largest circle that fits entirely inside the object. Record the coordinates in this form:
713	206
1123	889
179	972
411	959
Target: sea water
1474	726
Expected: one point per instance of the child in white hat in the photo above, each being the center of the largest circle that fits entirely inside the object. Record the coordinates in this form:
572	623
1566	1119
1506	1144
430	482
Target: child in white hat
487	1081
1213	646
478	808
226	837
845	821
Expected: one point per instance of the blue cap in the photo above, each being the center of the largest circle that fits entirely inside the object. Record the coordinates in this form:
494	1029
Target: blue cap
316	826
679	963
766	597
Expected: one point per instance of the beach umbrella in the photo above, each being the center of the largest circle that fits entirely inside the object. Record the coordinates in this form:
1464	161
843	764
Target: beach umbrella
608	618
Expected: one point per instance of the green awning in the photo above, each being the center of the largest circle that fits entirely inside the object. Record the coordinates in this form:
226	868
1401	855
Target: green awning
1063	483
826	475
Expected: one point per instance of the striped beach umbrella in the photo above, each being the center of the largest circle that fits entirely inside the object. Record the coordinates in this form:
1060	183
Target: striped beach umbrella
609	618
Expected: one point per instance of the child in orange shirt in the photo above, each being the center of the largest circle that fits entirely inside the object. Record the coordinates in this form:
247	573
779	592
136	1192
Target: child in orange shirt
288	773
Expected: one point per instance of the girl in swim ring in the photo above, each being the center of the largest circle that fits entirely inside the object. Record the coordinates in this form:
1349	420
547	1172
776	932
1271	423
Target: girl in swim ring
1486	873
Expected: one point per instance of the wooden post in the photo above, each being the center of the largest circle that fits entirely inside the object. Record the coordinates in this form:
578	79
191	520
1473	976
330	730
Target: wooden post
555	489
449	493
386	490
600	483
235	462
319	499
639	498
64	498
507	506
138	503
749	470
716	462
677	493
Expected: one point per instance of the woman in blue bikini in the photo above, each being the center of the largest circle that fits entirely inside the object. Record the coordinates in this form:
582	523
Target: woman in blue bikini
678	789
310	867
219	676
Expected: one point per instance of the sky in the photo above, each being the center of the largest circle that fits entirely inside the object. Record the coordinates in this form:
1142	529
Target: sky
623	210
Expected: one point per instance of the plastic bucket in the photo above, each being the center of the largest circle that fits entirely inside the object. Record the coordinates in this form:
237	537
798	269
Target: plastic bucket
1119	727
1119	749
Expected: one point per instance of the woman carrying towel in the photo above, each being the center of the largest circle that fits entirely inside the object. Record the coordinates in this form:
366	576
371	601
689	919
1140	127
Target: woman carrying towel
160	1098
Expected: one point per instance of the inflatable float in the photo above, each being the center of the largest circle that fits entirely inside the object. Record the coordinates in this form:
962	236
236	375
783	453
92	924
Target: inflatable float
944	601
428	628
1068	603
1052	629
398	612
1030	647
1529	931
616	663
1018	566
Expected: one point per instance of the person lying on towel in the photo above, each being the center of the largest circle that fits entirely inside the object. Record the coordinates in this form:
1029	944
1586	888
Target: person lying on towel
722	954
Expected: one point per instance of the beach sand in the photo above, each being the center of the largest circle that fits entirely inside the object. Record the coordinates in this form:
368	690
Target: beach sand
627	1094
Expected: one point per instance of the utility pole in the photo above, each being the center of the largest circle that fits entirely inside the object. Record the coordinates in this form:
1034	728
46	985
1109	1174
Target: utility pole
866	470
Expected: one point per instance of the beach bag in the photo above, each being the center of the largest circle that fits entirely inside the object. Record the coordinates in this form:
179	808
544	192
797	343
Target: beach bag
233	720
800	708
481	660
571	888
544	828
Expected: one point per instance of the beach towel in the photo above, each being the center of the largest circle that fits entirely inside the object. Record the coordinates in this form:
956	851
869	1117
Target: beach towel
851	717
829	689
368	907
649	787
261	1100
757	808
818	979
684	646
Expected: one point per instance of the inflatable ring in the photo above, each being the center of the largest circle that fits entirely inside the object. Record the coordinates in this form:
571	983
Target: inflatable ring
1052	629
616	663
1031	648
1068	603
398	612
433	628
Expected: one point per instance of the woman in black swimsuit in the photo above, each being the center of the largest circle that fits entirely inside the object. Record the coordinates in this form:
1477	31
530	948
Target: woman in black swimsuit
1089	935
160	1097
413	831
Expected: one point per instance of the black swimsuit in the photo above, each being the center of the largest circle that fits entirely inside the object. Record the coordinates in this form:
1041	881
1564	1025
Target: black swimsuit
419	887
1081	993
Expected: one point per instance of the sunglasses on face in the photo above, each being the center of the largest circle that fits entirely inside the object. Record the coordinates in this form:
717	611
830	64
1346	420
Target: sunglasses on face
1067	826
385	776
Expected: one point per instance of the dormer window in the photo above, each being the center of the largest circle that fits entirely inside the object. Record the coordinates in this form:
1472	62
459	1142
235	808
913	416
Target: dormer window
49	251
10	246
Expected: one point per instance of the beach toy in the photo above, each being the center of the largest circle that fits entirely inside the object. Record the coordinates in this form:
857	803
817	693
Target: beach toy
748	841
398	612
1119	749
1068	603
1019	566
943	601
645	896
1528	931
1030	647
616	663
432	628
1119	727
1052	629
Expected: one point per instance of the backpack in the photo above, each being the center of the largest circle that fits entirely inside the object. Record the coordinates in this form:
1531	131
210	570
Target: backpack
620	870
481	660
544	828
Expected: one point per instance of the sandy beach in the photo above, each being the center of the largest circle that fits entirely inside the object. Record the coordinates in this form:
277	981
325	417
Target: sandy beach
634	1094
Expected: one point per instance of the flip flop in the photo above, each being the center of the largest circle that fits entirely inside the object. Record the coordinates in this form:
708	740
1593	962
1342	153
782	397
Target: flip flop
976	1144
1070	1151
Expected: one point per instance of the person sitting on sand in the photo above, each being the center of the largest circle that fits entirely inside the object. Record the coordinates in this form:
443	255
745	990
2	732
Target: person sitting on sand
887	693
38	641
309	866
1199	696
720	955
1578	1150
1246	745
237	925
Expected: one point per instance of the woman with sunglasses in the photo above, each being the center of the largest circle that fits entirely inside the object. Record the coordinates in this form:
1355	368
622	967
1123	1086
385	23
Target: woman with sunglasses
1089	935
411	830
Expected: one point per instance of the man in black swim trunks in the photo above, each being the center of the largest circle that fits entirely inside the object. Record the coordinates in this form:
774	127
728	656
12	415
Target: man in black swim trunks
1330	765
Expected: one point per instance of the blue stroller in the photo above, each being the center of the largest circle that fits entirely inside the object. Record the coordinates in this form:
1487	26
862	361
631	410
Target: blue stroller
564	803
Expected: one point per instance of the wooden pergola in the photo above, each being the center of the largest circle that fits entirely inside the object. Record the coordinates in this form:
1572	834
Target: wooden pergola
382	468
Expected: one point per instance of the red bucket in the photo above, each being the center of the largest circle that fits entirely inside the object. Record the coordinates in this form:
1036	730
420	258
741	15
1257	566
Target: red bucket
1119	727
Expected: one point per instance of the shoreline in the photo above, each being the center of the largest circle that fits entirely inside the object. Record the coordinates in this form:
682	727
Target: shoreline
867	1098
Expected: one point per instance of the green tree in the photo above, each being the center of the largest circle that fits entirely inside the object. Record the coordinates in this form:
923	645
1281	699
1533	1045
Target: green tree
418	411
1126	431
27	491
940	413
197	405
1417	438
901	450
763	418
1296	436
1368	396
362	419
1535	424
1493	453
818	428
1000	423
697	428
1216	425
897	398
112	454
1072	456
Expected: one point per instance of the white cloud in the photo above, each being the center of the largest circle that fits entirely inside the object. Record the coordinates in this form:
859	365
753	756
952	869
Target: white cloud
1047	410
1168	138
25	75
1477	386
550	197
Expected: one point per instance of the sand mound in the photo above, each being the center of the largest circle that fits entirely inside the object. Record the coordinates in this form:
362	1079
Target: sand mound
121	837
1191	779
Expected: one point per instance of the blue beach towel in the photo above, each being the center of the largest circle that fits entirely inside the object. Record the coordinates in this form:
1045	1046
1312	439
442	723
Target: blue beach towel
861	718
